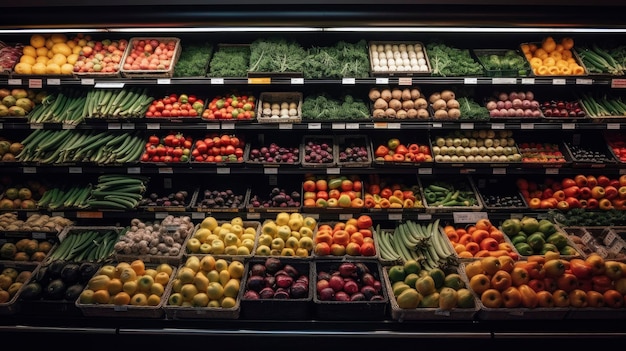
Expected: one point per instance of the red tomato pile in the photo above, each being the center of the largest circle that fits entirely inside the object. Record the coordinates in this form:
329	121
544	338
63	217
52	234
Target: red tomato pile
175	105
218	148
175	147
237	107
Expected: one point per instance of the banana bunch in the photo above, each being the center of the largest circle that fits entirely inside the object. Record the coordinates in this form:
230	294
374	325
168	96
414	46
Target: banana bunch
413	241
117	192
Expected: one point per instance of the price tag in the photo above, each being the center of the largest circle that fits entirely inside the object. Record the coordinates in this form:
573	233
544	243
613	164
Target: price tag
617	247
618	83
76	170
217	81
395	216
587	238
467	170
128	126
380	125
253	215
584	81
88	214
352	126
440	312
516	215
333	170
29	170
609	238
348	81
160	215
133	170
613	126
166	170
504	81
223	170
228	125
297	81
270	170
58	214
345	216
405	81
266	80
424	216
470	81
36	126
528	81
109	85
338	126
468	217
164	81
497	126
394	126
87	81
314	126
153	126
527	126
287	126
198	215
425	171
437	125
68	126
382	80
467	125
568	126
53	81
499	170
114	126
35	83
558	81
14	81
552	171
38	235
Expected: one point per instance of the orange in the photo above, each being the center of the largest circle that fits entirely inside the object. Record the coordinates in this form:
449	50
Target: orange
548	44
121	298
162	278
139	267
153	300
115	286
568	43
101	296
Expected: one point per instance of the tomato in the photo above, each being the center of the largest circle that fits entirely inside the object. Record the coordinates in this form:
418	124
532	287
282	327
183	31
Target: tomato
153	139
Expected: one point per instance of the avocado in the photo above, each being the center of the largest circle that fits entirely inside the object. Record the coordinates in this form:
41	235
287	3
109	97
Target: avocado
55	290
31	291
55	268
73	291
87	270
70	273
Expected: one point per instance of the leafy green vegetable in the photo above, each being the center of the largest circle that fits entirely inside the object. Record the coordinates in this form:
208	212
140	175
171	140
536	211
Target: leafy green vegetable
583	217
472	110
276	55
230	61
193	60
338	61
447	61
325	107
508	60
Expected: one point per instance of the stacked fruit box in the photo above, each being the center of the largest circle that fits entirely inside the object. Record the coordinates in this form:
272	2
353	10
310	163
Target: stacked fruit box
448	194
150	57
235	239
279	107
14	277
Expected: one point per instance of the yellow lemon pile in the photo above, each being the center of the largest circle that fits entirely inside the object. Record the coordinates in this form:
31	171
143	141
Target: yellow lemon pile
552	58
48	54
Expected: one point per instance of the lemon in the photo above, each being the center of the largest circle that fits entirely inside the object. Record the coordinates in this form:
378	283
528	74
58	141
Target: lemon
58	38
42	59
37	41
67	68
77	49
215	290
71	43
23	68
49	43
42	51
72	58
28	59
59	59
62	48
50	54
209	223
221	264
236	269
29	50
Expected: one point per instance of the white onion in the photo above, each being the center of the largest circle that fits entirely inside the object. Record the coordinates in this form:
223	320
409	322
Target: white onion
382	55
410	47
413	62
373	47
406	62
394	47
376	61
387	47
391	62
375	54
415	68
389	53
420	55
404	54
421	61
383	62
402	47
412	54
380	48
418	48
377	68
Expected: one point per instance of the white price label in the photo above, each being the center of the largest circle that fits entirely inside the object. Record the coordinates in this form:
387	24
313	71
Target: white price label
333	170
426	170
228	125
109	85
287	126
405	81
568	126
297	81
348	81
76	170
68	126
38	235
270	170
29	170
552	171
166	170
153	126
558	81
395	216
499	170
164	81
345	216
468	217
470	81
467	125
352	126
314	126
437	125
527	126
497	126
133	170
382	80
504	81
15	81
424	216
394	125
584	81
380	125
223	170
114	126
35	83
338	126
36	126
528	81
160	215
198	215
440	312
217	81
253	215
87	81
128	126
613	126
53	81
58	214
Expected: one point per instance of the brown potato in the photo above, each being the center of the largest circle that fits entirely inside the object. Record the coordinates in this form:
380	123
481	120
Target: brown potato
386	95
380	104
374	94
